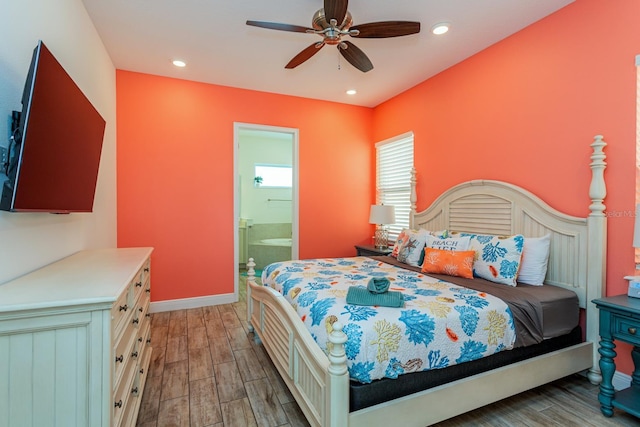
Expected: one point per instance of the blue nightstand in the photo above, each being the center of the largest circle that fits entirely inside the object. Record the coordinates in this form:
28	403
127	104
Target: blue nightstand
619	320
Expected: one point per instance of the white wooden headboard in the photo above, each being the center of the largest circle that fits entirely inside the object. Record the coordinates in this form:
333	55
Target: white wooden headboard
577	256
578	245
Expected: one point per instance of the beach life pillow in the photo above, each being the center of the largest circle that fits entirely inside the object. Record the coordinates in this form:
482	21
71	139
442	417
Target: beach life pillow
497	257
459	243
449	262
535	260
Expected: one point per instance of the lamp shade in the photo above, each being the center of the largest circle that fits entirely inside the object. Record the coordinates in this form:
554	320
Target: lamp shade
636	228
382	214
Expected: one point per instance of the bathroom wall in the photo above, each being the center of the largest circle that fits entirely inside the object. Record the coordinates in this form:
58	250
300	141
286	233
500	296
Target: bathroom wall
264	205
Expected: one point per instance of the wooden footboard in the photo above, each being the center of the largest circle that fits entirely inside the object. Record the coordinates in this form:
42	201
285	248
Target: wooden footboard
319	383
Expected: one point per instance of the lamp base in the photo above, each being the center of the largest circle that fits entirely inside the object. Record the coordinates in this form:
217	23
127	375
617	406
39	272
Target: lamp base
381	237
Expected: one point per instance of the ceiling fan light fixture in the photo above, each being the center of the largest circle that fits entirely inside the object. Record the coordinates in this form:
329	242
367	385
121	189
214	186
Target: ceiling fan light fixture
351	92
179	63
440	28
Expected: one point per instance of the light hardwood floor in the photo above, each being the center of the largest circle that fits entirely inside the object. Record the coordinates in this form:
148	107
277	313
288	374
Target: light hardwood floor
207	371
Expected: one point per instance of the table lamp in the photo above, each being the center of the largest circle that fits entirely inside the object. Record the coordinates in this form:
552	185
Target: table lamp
381	215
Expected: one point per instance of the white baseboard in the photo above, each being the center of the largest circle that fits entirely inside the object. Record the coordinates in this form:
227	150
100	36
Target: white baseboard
181	304
621	381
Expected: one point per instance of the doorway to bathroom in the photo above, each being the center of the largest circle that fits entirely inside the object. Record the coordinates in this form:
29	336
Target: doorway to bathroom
266	196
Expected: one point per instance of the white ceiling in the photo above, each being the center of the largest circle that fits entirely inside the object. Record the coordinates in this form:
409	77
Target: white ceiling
212	37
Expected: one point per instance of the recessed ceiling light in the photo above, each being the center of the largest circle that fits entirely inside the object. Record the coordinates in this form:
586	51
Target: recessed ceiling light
179	63
440	28
351	92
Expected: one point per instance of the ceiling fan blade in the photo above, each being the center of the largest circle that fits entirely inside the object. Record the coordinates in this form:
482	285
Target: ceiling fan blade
277	26
378	30
304	55
335	9
356	57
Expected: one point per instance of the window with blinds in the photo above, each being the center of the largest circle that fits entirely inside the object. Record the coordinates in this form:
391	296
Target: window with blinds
394	161
637	250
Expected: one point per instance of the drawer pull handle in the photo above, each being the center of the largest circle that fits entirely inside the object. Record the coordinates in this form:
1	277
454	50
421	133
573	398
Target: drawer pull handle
140	339
148	340
147	290
147	315
138	284
134	390
134	354
140	309
146	269
124	307
632	331
142	371
118	404
134	321
120	359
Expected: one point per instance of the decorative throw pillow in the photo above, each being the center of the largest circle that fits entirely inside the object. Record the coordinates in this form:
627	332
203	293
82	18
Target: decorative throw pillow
497	257
401	240
535	259
451	263
410	251
404	235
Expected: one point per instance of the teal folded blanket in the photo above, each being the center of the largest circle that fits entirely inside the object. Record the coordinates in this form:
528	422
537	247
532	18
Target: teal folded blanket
358	295
378	285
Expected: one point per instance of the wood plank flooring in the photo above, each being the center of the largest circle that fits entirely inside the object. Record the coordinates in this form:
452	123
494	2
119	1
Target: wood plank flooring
207	371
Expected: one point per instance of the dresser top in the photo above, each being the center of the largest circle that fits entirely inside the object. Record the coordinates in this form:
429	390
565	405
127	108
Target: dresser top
86	277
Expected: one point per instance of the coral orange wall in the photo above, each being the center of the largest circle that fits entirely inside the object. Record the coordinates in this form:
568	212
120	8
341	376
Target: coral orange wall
526	109
175	176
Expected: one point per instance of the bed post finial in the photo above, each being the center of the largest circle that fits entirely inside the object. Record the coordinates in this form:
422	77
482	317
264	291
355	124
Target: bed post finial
597	250
338	388
251	277
251	272
413	197
598	189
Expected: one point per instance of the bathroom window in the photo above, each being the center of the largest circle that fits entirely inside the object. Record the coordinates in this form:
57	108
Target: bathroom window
273	176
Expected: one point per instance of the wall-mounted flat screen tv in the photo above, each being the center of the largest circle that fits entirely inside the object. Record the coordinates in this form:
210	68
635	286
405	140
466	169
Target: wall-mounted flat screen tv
55	153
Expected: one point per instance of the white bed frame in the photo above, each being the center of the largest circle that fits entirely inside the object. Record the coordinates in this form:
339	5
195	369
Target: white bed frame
320	383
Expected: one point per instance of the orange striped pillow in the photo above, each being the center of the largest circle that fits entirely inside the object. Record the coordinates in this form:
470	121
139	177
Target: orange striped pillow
451	263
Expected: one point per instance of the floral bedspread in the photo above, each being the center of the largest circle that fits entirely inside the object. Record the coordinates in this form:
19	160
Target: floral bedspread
441	324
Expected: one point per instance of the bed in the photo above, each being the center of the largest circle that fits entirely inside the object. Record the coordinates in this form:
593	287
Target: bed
319	380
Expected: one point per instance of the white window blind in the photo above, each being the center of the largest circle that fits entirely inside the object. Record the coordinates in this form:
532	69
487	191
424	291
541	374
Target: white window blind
394	161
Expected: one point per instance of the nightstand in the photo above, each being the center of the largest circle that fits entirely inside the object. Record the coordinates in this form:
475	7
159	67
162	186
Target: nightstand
370	250
619	320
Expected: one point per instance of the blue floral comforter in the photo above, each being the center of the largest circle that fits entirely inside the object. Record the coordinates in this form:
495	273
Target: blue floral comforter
441	324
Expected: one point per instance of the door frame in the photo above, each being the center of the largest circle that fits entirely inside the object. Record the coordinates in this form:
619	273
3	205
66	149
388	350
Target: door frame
237	126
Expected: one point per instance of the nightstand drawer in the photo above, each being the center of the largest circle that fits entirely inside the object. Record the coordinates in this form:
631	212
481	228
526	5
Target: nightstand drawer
626	328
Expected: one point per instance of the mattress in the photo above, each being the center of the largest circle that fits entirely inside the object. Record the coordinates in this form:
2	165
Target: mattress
558	311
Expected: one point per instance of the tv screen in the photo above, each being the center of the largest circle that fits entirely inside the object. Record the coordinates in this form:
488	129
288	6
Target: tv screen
53	163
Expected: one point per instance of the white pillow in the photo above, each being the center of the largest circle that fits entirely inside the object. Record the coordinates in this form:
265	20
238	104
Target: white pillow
535	258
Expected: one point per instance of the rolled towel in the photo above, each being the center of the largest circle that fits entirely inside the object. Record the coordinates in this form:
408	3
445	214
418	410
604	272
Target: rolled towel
359	295
378	285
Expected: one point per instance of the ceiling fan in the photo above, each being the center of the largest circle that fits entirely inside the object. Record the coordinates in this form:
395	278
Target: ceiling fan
332	23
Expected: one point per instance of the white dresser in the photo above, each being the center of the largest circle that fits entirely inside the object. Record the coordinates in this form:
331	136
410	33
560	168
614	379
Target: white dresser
75	341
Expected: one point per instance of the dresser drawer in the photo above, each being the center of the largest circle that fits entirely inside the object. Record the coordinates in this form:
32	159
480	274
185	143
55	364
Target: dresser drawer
123	348
121	310
626	328
122	393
